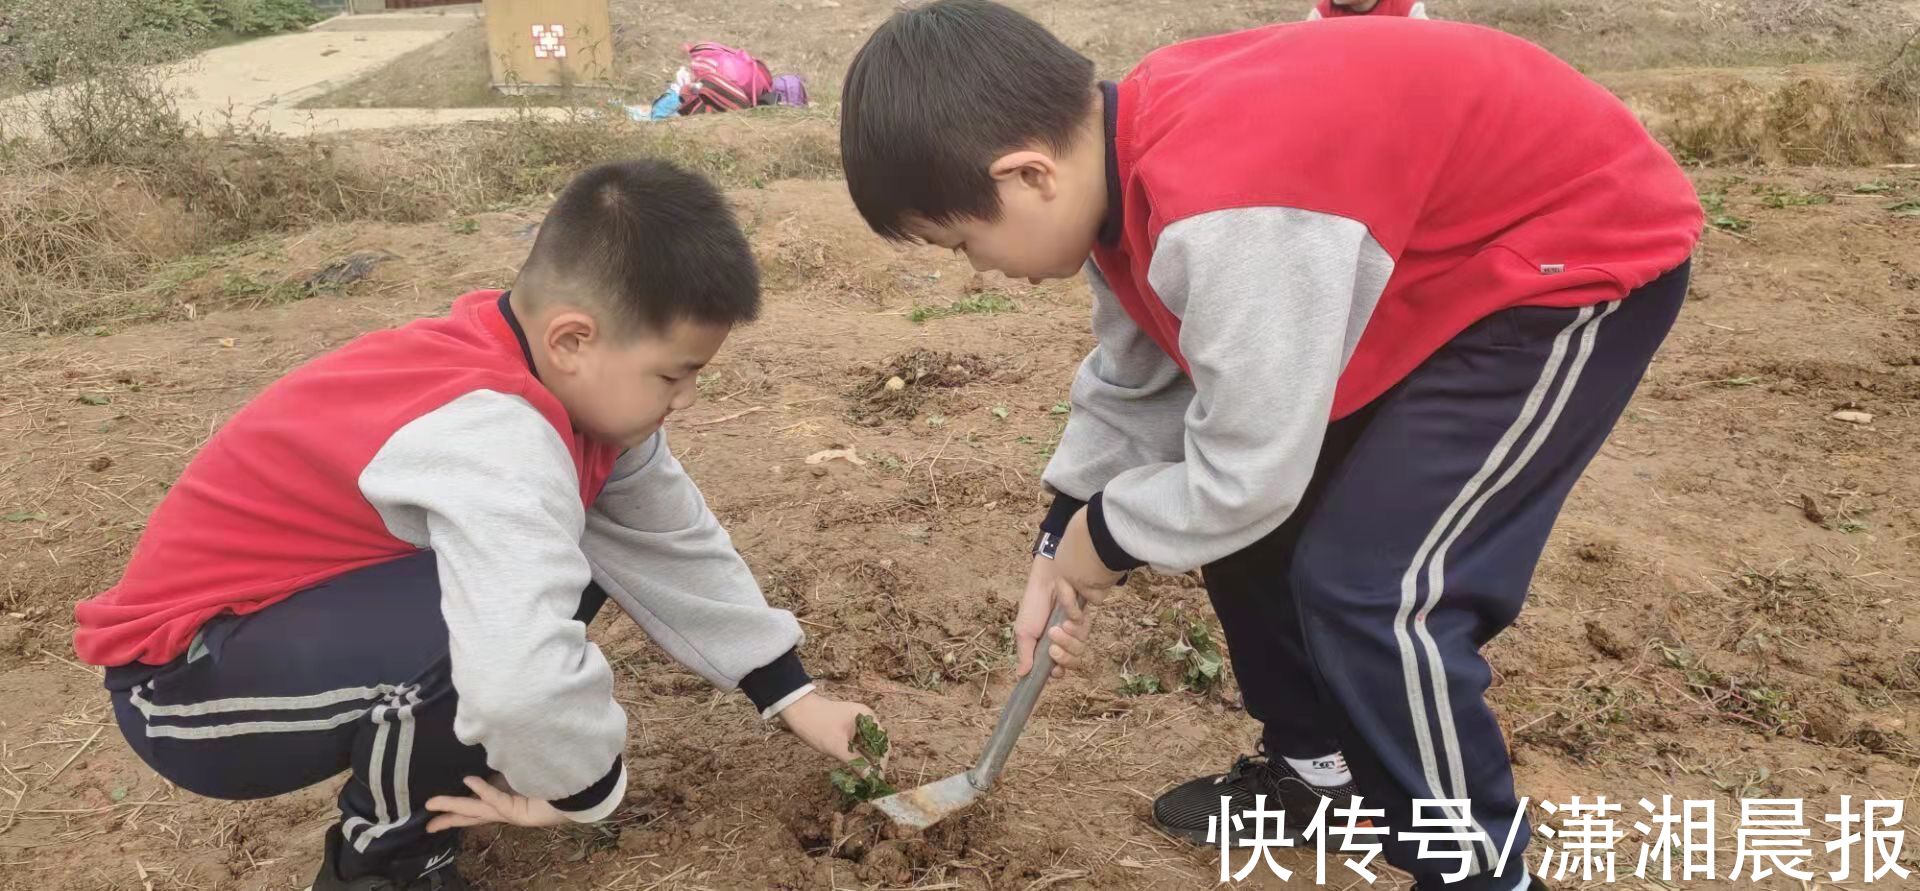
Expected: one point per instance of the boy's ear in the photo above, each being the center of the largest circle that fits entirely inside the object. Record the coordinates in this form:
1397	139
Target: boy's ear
568	334
1035	170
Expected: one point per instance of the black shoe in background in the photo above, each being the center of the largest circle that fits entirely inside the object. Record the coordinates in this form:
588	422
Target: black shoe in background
1184	810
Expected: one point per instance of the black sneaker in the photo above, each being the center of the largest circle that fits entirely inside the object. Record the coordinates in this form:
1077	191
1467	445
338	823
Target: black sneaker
1184	810
435	872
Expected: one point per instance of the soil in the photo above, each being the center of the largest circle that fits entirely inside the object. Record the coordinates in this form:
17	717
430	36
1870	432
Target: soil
1726	609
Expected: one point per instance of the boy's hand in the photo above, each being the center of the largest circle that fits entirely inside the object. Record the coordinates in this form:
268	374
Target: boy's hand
490	804
1045	588
825	724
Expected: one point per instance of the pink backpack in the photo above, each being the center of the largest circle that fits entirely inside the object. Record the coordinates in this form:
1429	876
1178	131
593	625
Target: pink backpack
724	79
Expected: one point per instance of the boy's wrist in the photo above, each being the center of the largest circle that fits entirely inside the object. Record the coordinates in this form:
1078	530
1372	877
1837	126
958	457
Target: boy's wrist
775	685
1060	513
1111	553
788	701
598	801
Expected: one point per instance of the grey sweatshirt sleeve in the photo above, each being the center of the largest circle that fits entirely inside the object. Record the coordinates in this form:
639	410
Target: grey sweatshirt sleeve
1128	400
487	484
1272	302
664	558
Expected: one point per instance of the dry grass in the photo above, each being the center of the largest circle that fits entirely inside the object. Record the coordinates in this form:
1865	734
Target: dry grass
61	251
536	154
69	262
1616	35
1863	119
73	256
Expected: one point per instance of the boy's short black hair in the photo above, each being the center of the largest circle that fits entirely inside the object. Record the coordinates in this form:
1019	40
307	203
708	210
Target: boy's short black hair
646	244
940	91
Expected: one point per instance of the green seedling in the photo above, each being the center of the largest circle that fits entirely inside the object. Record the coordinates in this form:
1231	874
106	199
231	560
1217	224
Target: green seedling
862	779
987	303
1139	685
1715	204
1195	653
1779	199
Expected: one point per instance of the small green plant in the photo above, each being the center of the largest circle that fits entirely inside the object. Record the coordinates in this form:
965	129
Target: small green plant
983	303
1906	208
1060	408
1876	187
95	399
1139	684
1715	204
998	411
240	287
1753	701
1752	785
1778	198
1193	652
465	226
862	779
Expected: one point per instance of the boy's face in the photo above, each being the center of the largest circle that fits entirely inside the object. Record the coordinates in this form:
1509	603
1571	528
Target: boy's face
621	391
1049	216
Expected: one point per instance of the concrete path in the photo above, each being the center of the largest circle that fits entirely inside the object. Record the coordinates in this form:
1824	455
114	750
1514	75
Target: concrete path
263	80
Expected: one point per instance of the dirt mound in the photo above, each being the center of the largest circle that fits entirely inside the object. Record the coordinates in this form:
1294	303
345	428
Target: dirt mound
902	386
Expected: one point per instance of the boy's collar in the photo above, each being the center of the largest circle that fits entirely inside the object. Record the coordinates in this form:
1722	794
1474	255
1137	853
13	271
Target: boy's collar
1110	101
519	333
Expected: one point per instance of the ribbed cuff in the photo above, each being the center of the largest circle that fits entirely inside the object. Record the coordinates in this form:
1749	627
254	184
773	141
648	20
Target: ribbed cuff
1110	551
598	801
775	681
1060	514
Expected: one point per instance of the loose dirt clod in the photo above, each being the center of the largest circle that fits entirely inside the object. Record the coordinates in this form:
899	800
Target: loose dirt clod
1607	641
1810	509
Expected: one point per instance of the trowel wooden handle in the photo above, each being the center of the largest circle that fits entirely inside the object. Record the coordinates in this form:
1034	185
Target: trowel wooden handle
1013	715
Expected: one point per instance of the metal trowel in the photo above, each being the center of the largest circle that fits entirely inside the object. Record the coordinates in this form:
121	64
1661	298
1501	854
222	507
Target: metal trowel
923	806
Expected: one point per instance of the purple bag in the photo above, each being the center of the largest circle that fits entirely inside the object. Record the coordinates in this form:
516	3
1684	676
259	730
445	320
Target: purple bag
789	89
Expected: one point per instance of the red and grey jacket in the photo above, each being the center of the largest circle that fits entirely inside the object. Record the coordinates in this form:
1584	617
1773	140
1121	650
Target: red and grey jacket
1412	9
1299	216
438	435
